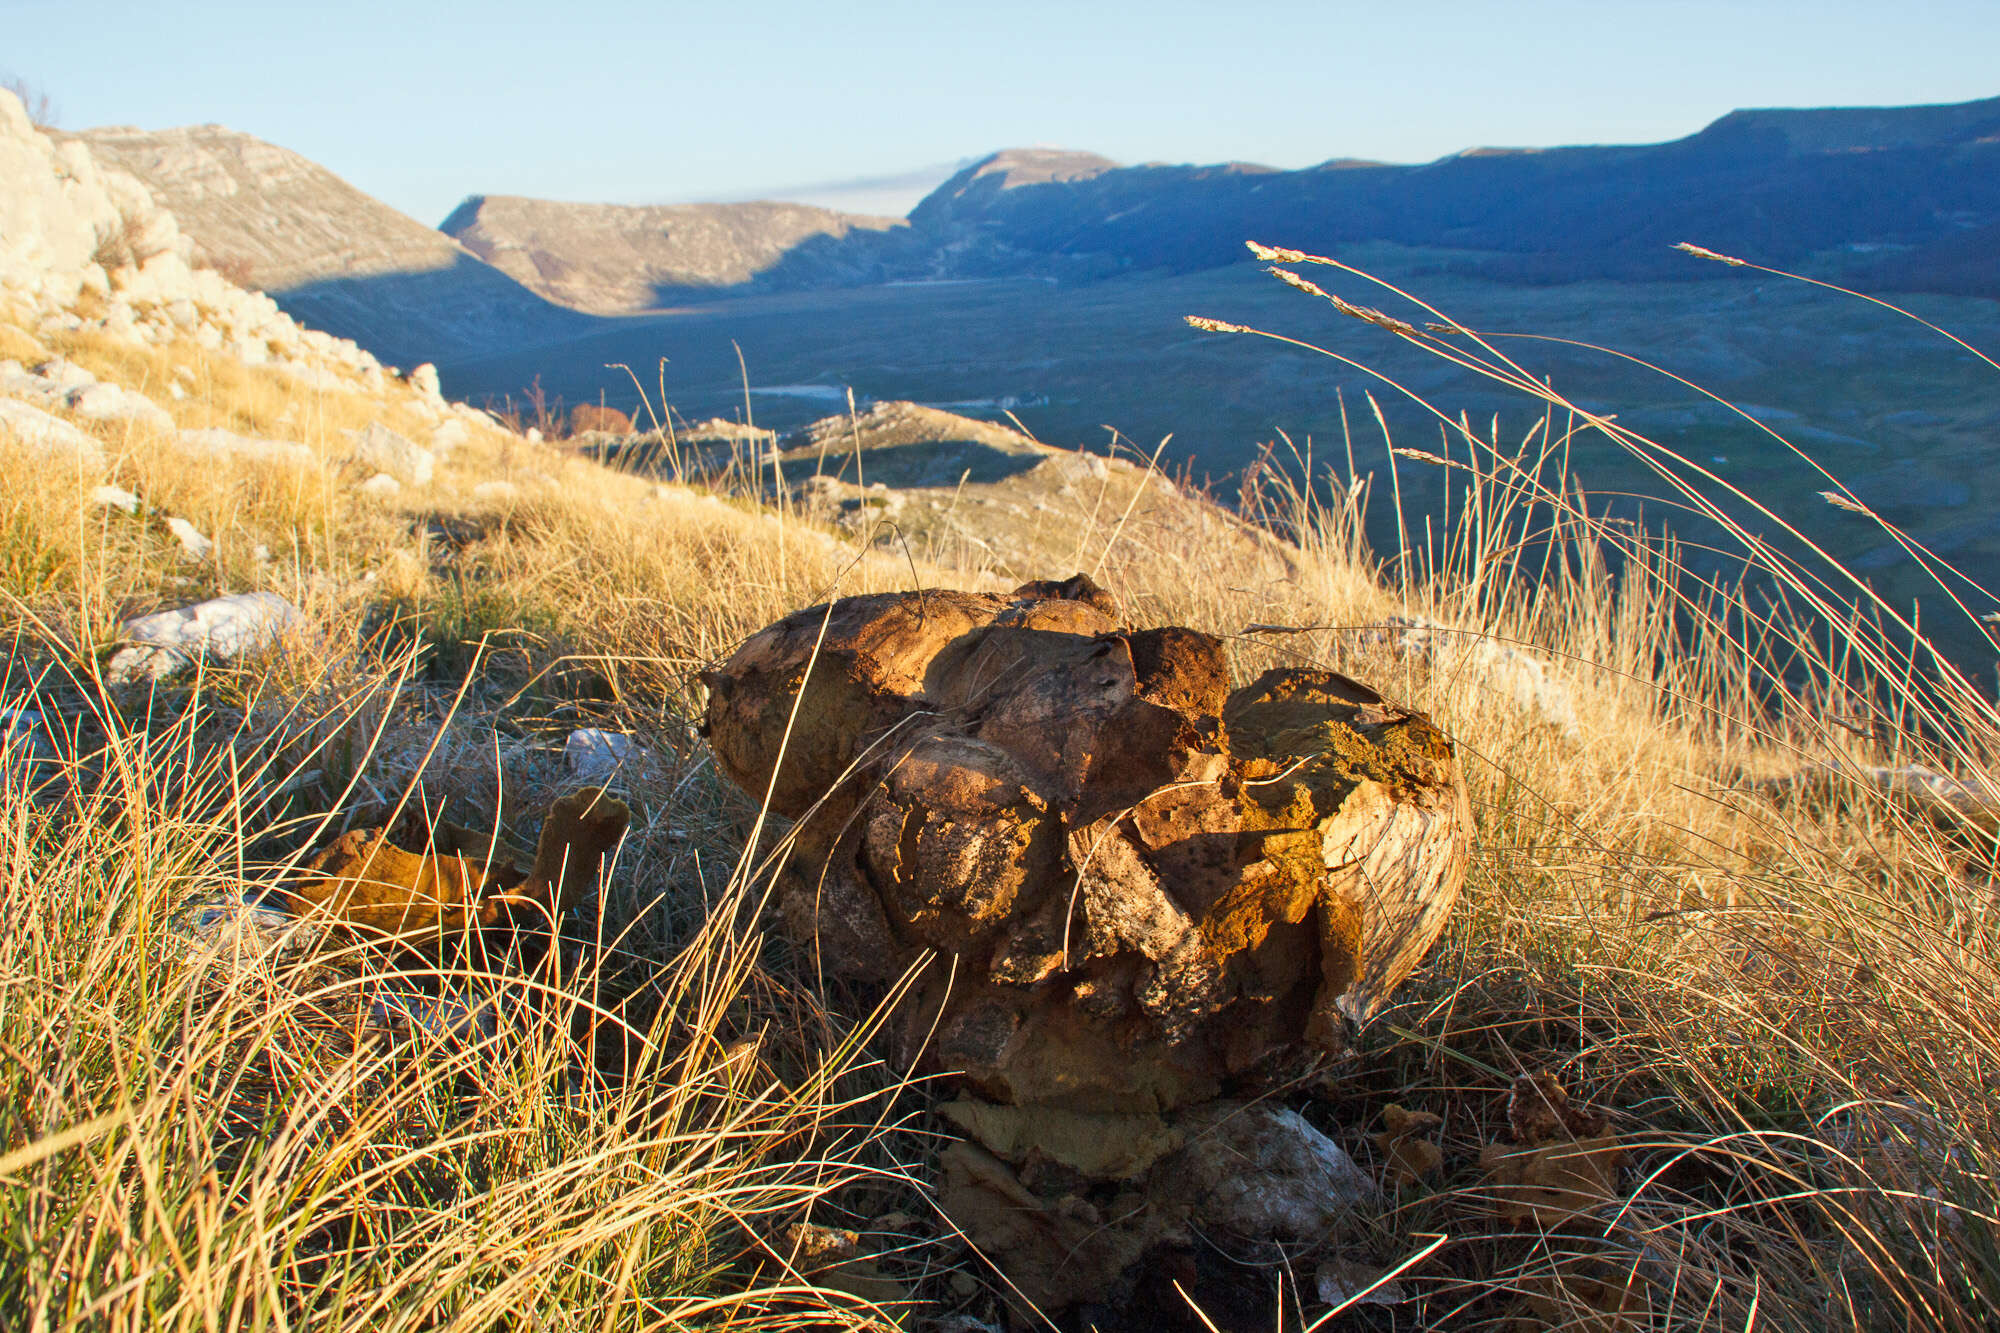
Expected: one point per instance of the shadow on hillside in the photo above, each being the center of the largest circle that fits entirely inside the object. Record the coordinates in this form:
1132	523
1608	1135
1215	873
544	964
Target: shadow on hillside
437	315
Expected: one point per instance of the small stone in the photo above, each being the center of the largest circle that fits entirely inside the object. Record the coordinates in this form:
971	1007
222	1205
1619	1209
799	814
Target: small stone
381	486
452	1013
424	379
194	546
1342	1282
594	754
243	925
115	497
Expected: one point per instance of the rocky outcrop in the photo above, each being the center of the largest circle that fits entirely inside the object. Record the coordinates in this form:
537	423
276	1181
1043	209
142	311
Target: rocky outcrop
86	245
1124	888
619	258
331	255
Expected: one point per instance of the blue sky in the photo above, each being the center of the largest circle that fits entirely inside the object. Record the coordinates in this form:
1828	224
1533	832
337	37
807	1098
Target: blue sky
422	104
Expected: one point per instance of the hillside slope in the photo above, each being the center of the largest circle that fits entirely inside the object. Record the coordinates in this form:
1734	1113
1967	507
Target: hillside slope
331	255
616	258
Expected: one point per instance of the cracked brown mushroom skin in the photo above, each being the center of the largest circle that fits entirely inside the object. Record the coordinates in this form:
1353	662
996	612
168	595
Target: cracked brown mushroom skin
1141	886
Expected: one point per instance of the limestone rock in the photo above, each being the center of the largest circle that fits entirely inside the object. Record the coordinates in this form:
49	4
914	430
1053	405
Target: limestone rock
248	447
194	546
115	497
218	629
1142	886
378	449
593	754
1482	662
51	436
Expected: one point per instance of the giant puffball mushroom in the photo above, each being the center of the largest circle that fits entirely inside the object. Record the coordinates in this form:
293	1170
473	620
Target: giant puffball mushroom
1140	885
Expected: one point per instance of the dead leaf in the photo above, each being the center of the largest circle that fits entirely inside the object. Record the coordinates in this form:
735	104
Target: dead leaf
1539	1111
1407	1154
832	1258
1553	1184
1587	1294
440	878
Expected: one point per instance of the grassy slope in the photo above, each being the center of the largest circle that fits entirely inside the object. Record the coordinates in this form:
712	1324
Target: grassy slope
1729	974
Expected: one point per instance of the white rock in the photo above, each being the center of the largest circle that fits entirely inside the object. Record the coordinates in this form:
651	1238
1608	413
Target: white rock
50	435
1483	662
242	928
424	379
533	435
450	435
381	486
220	628
379	449
256	448
176	392
64	373
108	402
594	754
115	497
1262	1173
452	1013
194	546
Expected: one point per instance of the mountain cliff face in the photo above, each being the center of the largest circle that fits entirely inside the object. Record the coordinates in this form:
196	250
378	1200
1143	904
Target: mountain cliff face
332	256
616	258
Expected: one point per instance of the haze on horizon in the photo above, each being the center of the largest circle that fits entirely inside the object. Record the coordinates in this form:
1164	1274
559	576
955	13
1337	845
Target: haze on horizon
633	102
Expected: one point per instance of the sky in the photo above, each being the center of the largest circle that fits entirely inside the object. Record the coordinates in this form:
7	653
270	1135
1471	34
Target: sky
422	104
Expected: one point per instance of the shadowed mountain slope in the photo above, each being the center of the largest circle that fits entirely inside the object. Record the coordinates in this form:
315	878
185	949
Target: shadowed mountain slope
1785	186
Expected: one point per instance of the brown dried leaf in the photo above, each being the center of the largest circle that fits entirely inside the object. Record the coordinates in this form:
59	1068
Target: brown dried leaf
1539	1111
1408	1155
1592	1295
1552	1185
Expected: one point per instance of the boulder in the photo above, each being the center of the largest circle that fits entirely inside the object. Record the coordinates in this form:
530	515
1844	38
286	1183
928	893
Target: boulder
1140	886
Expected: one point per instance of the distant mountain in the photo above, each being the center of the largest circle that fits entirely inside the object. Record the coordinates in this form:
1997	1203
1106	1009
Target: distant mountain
616	258
333	257
1785	186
